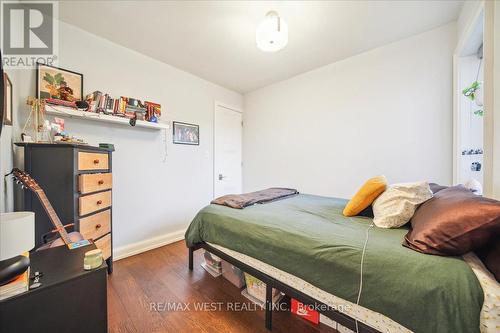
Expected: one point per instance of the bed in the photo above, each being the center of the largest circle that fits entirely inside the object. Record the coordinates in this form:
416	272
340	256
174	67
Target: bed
307	238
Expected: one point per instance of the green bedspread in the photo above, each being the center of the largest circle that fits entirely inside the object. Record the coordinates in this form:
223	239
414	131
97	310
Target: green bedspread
308	236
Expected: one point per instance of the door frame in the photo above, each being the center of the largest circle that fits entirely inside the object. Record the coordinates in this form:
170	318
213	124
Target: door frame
232	108
456	94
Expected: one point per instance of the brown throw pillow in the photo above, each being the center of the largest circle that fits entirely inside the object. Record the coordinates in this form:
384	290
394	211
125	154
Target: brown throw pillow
454	222
490	255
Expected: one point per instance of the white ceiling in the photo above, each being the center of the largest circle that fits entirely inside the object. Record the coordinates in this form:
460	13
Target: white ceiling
215	40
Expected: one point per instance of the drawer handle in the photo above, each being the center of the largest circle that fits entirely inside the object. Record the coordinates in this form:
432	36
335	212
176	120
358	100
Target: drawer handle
98	226
100	182
96	161
99	202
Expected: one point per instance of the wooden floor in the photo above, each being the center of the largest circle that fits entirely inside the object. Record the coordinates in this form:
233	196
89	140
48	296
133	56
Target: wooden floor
162	275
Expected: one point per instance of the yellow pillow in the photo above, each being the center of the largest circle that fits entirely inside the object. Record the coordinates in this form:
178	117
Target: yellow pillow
366	195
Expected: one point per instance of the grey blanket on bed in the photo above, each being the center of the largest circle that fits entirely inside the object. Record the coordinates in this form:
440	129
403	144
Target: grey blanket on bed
241	201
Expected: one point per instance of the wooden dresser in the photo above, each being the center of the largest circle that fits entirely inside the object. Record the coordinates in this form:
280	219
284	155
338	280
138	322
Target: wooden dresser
78	182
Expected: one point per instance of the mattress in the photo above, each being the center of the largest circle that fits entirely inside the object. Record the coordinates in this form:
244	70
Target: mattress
490	312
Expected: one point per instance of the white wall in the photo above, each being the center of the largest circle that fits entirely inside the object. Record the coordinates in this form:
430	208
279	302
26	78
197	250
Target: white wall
386	111
150	198
467	15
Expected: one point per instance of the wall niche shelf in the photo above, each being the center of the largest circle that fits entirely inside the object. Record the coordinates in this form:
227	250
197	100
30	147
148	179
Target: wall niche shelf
72	113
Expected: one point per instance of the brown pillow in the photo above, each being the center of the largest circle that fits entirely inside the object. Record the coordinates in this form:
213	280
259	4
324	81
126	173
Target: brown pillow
490	255
367	212
454	222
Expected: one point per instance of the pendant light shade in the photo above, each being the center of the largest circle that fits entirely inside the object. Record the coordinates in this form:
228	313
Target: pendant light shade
272	33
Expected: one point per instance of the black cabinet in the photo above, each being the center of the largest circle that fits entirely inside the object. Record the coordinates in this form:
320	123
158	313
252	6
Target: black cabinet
77	180
69	299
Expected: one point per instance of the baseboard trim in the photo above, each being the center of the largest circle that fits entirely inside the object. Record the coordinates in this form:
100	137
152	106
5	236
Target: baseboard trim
147	244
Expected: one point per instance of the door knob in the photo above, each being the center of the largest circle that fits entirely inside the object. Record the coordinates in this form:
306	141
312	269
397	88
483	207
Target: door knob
221	177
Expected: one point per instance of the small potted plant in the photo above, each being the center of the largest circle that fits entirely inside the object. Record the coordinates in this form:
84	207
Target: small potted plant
474	92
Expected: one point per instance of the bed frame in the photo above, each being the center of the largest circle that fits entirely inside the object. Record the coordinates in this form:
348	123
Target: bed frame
271	283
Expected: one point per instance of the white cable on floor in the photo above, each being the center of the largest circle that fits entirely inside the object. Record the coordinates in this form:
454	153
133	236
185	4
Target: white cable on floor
361	270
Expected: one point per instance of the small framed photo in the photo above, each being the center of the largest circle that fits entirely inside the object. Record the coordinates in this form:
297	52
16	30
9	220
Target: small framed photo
7	100
186	134
58	83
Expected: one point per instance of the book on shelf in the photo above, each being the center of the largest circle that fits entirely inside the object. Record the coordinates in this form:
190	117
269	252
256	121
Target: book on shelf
153	111
53	101
123	106
19	285
93	99
130	108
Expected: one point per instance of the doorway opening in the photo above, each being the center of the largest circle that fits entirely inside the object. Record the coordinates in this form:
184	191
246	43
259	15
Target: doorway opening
469	109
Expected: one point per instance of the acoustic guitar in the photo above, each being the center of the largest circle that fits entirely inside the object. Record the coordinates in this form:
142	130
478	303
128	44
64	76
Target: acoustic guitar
72	240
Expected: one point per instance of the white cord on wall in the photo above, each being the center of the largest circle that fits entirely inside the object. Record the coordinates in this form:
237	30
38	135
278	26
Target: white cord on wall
361	270
165	143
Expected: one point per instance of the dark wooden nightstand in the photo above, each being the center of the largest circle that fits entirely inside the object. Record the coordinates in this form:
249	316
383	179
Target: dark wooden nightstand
70	299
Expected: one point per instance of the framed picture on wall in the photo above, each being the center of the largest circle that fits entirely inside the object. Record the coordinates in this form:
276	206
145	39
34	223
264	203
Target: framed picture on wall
7	101
58	83
186	134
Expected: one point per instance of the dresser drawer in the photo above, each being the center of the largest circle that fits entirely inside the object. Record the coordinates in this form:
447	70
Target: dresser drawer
104	244
94	182
92	161
91	203
95	226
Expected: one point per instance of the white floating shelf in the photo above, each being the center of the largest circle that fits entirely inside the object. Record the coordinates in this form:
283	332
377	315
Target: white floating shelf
72	113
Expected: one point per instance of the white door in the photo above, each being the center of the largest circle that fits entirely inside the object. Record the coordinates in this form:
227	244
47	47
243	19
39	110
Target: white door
227	150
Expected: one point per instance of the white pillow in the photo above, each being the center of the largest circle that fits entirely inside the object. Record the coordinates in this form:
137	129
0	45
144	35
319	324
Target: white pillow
474	186
396	206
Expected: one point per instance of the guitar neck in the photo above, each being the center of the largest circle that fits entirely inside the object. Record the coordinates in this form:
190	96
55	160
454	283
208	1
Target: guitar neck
53	216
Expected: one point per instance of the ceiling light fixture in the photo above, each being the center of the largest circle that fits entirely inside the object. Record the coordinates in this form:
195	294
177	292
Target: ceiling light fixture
272	33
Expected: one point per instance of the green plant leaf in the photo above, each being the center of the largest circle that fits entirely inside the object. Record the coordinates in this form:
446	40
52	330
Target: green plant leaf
470	91
479	113
49	78
59	78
